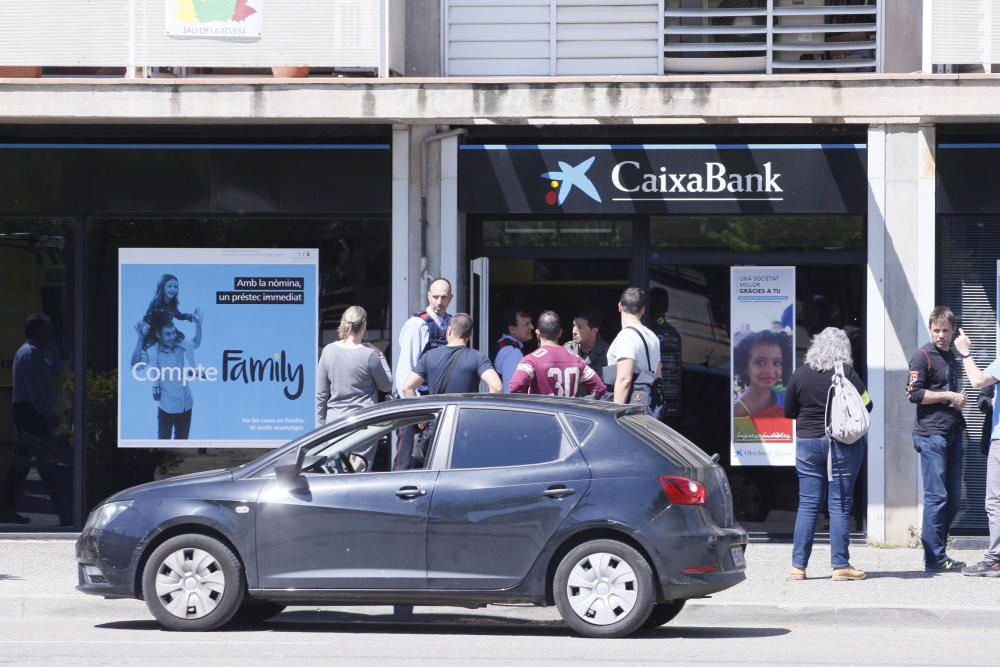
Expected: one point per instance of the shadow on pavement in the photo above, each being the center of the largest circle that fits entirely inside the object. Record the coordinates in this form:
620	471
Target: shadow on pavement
444	624
721	632
916	574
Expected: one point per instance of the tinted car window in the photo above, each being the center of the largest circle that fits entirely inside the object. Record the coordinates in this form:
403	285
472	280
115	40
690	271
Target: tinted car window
675	446
496	438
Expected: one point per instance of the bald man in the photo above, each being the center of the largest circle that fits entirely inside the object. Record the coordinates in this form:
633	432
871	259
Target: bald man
424	331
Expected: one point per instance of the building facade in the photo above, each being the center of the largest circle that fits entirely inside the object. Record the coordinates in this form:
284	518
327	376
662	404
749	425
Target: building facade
849	140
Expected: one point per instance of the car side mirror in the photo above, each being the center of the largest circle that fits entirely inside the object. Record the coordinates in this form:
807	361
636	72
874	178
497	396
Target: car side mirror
289	468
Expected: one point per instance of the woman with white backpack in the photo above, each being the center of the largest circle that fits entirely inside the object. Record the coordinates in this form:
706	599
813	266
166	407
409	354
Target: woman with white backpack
825	465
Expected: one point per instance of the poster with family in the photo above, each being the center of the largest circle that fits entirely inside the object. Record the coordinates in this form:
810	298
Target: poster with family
762	300
216	347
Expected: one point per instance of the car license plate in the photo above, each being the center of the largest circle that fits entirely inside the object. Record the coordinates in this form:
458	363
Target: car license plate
739	560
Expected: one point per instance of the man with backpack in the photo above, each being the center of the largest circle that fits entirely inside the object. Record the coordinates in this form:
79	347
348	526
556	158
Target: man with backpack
938	434
510	345
636	349
990	565
424	331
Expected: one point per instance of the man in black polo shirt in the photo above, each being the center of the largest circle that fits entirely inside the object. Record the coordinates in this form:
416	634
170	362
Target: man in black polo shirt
450	369
453	368
937	436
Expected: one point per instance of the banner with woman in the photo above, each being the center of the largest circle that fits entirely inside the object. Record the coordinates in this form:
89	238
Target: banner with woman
217	346
762	321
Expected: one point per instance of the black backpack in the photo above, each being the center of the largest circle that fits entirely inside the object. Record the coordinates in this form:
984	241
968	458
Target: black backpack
436	336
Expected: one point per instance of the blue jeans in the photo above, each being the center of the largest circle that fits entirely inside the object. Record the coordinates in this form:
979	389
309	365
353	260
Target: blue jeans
941	470
811	465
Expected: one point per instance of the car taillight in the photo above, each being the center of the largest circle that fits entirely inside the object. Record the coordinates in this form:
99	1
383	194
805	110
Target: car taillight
682	490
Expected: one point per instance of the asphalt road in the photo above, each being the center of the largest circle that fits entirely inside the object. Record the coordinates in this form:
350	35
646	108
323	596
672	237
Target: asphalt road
496	636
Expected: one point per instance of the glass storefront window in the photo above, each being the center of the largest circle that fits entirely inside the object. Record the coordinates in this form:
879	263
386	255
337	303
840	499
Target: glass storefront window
36	424
756	233
695	300
557	233
353	269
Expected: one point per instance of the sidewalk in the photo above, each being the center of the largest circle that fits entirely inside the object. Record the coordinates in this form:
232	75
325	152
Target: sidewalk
37	579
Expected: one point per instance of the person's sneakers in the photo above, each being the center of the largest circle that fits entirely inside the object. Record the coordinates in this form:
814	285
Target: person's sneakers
848	574
983	569
797	574
947	565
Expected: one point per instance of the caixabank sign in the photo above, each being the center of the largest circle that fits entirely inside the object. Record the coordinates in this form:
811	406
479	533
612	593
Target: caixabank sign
663	178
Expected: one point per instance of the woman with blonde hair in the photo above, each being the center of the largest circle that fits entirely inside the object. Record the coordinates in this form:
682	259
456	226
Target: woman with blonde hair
350	371
815	452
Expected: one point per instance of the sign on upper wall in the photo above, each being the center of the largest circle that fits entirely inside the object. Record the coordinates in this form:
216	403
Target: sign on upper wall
663	178
214	18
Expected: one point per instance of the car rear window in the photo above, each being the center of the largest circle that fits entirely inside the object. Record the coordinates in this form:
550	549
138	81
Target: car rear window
666	440
500	438
581	426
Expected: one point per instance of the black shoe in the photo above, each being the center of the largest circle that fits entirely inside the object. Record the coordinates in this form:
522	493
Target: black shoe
947	565
14	517
983	569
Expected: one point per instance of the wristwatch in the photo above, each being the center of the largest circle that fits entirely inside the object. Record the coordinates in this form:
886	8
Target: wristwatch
966	355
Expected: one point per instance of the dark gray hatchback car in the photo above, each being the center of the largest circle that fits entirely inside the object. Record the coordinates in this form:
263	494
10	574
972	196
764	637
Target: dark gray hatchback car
594	507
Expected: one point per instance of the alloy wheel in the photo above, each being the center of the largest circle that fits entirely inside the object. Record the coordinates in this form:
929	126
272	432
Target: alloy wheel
602	588
190	583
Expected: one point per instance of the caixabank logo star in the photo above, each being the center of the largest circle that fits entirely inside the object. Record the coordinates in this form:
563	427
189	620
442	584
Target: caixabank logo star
563	182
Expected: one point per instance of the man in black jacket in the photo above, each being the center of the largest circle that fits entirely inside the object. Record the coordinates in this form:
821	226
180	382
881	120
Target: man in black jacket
937	436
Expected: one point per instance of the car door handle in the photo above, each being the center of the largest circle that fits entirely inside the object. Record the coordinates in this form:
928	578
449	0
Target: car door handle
558	492
410	492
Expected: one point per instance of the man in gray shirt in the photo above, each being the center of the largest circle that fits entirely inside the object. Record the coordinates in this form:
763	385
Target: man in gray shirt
636	347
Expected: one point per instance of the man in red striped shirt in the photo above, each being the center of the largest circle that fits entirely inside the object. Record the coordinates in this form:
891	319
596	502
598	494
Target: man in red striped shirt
552	370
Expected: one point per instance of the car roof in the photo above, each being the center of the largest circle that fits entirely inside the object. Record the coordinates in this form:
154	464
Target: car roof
530	401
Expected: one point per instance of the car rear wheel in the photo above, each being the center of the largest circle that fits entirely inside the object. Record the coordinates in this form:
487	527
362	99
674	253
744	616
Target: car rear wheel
664	613
604	588
193	583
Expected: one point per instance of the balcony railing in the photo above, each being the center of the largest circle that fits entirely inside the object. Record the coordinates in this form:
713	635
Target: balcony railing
564	37
771	36
143	37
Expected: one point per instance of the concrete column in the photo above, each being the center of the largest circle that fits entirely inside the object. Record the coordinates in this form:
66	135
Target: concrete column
908	289
876	324
401	275
451	248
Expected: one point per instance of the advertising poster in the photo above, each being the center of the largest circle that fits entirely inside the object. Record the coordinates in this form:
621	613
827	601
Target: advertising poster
217	347
762	300
214	18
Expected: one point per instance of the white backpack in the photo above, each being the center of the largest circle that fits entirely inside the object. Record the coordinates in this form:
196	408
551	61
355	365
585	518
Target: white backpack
847	418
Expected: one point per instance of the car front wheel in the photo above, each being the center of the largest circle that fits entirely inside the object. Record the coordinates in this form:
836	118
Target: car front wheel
604	588
193	583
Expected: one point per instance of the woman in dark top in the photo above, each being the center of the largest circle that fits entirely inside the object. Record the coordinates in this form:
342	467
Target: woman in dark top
805	401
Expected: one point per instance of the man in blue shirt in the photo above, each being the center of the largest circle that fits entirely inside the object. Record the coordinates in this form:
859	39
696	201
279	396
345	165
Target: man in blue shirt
990	565
510	346
424	331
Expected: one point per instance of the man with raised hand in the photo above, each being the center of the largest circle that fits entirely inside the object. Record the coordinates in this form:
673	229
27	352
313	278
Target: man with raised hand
989	566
